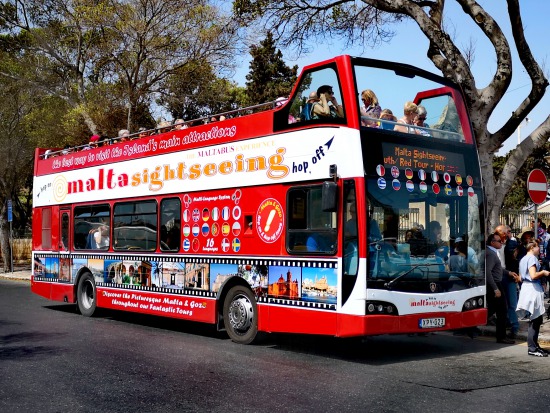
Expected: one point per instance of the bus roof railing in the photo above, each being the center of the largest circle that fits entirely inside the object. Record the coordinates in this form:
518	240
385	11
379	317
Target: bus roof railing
248	110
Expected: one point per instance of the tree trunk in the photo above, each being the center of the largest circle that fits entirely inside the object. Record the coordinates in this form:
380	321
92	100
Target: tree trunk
5	239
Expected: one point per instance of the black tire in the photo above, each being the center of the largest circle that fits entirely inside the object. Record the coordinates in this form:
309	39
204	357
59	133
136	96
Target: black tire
240	315
86	295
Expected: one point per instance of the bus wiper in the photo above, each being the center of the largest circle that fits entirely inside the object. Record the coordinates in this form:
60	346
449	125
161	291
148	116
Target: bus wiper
389	284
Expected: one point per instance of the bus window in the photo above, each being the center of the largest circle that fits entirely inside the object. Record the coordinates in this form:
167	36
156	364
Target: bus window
135	226
310	230
170	224
46	228
92	227
304	102
402	93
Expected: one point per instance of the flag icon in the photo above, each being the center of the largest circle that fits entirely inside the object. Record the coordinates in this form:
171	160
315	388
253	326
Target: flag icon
435	188
195	244
225	245
380	170
469	180
186	215
422	174
236	212
205	229
215	214
459	190
394	171
225	213
448	189
186	245
196	230
196	215
236	245
215	229
381	183
396	184
458	179
435	176
205	214
447	177
409	173
410	186
186	230
471	191
423	187
236	228
225	229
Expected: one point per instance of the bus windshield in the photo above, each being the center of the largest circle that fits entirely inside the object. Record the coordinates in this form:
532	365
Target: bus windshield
422	184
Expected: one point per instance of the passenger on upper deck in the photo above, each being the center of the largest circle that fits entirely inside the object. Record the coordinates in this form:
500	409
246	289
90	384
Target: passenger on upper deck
420	120
123	135
94	140
387	114
307	110
410	110
371	109
163	126
180	124
328	106
143	133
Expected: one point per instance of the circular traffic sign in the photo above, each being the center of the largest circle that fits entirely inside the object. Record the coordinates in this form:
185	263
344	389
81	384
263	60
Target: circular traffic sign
537	186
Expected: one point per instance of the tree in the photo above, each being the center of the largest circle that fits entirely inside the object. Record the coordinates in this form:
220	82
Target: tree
299	22
78	46
195	91
269	76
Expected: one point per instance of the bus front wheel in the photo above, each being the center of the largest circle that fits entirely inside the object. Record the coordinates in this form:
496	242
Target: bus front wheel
86	295
240	315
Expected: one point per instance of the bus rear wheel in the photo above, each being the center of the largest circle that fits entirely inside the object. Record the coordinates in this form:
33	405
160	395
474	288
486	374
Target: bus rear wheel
86	296
240	315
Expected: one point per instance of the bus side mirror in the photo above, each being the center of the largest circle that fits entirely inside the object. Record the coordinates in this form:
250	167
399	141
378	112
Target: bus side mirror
329	197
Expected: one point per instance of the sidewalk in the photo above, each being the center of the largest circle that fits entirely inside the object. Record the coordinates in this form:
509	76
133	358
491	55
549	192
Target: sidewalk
488	330
17	274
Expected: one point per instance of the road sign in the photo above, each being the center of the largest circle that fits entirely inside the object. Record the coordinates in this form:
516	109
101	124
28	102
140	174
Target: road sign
537	186
10	211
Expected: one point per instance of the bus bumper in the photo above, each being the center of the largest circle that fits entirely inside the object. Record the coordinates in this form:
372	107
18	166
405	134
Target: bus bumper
353	326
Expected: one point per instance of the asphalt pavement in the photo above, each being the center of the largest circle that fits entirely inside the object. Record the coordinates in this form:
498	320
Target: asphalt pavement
24	274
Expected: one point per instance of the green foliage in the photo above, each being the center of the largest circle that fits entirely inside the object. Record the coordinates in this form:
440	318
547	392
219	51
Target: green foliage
195	91
269	76
518	197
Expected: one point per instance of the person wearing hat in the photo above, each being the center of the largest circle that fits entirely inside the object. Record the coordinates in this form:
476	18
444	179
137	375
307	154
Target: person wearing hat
306	111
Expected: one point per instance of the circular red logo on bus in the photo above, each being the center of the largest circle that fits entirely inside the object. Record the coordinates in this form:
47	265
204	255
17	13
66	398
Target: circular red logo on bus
270	220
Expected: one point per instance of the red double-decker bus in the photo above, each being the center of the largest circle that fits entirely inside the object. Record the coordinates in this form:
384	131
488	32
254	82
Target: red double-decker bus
316	216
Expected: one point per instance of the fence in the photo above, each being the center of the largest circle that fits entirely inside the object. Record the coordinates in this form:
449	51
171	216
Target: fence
518	220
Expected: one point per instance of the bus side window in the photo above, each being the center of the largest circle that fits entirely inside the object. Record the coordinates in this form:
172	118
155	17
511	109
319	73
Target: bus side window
310	230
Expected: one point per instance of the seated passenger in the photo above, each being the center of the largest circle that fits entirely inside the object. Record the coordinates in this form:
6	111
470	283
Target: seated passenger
123	135
317	243
328	106
410	110
420	120
370	109
307	110
387	114
459	261
180	124
164	126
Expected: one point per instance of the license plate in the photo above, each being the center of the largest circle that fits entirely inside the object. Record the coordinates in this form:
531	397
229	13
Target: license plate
431	322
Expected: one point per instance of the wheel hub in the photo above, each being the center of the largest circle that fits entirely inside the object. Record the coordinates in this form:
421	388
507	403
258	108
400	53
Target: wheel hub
241	314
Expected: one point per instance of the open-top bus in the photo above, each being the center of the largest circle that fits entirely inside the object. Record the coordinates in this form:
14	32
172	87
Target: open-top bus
277	220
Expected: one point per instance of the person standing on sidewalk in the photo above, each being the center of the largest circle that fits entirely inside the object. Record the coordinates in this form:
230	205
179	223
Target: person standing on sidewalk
531	296
496	300
509	284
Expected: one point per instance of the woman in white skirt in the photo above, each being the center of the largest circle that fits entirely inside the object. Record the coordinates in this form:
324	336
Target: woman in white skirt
531	296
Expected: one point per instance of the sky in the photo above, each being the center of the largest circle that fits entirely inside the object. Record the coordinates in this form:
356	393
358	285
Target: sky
409	46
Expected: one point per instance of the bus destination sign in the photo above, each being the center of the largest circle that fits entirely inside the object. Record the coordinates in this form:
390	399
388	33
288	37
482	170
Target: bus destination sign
415	158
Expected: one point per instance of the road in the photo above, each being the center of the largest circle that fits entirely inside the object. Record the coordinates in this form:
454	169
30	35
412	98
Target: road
54	360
